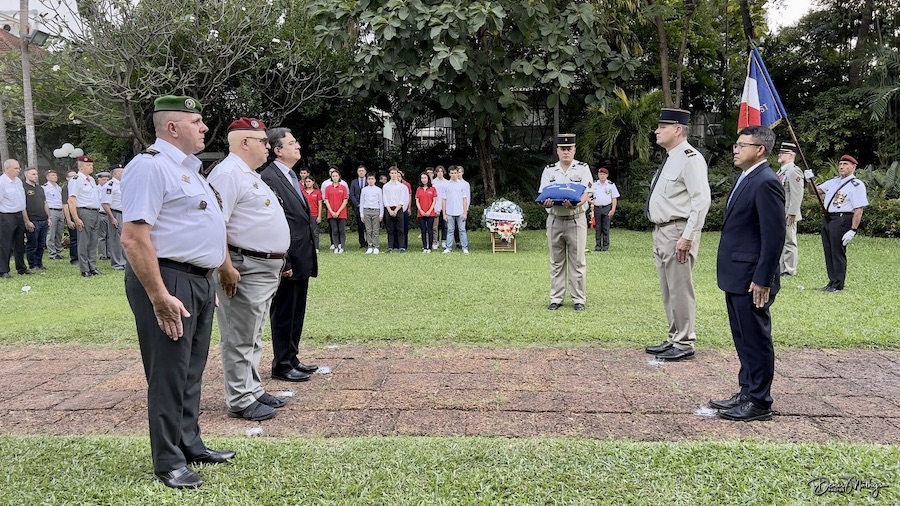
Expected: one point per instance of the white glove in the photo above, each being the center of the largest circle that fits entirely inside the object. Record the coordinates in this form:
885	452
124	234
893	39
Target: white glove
848	237
808	174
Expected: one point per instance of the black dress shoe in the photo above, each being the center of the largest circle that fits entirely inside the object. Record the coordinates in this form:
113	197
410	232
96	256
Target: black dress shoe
86	274
655	350
255	412
271	401
5	275
579	306
180	478
26	271
729	403
824	288
674	354
831	289
300	366
95	272
212	457
291	375
554	306
746	412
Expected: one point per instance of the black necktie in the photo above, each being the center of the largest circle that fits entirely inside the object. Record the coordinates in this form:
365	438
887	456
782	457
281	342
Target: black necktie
654	180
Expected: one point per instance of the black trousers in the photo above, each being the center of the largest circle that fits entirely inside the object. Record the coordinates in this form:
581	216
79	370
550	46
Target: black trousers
833	230
73	244
174	369
12	241
286	317
751	329
361	228
601	218
394	227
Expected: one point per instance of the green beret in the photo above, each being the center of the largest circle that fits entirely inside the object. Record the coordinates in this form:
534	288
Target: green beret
174	103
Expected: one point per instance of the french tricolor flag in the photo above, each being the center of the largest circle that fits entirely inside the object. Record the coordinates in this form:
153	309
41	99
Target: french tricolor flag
760	104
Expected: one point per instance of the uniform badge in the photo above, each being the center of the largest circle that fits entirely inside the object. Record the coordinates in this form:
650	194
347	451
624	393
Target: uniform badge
268	202
202	204
798	179
255	124
839	199
186	178
255	185
190	103
30	193
608	191
109	191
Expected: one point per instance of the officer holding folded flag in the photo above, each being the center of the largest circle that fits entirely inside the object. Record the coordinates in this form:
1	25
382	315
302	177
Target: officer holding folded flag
566	225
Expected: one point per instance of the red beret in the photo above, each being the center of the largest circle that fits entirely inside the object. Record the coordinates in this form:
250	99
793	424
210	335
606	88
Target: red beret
604	170
247	124
85	159
848	158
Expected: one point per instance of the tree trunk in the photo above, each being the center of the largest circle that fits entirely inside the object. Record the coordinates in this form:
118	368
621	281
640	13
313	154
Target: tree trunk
4	142
663	60
685	30
28	109
858	57
487	167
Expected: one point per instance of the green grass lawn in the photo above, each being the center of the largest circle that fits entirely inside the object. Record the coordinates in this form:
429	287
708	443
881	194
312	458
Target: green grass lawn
498	299
408	470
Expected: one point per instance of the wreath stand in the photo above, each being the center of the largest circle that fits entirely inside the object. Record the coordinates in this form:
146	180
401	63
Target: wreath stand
498	244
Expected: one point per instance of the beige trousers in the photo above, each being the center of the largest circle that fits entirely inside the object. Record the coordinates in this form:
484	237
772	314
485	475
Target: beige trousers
567	238
676	284
790	255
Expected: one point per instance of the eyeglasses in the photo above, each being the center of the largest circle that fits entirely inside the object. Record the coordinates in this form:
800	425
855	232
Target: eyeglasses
742	145
263	140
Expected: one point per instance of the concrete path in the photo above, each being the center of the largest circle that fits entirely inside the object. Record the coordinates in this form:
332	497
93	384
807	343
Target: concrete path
820	395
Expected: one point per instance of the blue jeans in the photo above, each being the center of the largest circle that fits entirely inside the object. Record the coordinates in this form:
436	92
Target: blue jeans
36	242
454	222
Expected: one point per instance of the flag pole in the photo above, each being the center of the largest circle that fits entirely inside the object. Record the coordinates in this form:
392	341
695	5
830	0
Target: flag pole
783	113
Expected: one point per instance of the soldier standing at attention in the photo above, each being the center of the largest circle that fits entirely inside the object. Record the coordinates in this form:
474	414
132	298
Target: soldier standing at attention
566	226
791	178
677	206
84	207
173	233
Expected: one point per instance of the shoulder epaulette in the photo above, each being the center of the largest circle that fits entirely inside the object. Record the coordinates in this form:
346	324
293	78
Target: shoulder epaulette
549	165
690	152
855	182
150	151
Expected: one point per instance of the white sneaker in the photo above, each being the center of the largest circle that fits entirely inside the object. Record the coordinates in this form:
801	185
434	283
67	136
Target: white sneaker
465	251
434	246
331	247
369	251
446	251
374	251
340	249
336	251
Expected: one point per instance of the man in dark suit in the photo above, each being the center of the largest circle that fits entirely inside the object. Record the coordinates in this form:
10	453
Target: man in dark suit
747	270
355	191
301	263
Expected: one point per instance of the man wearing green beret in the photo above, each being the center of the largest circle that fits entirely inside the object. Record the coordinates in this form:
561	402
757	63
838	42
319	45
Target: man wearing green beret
173	233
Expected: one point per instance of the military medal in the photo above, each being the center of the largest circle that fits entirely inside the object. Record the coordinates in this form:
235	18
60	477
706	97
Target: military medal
186	178
255	185
202	204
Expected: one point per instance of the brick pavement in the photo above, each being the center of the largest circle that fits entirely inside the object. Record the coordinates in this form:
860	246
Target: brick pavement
820	395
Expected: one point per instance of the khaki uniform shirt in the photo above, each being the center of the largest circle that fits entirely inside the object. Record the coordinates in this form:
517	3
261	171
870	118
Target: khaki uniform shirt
681	190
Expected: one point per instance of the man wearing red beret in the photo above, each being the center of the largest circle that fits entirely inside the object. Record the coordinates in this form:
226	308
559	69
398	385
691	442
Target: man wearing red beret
845	198
258	238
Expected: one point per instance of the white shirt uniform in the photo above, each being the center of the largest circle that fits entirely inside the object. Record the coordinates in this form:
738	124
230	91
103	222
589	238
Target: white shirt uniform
53	192
604	193
681	191
84	189
394	193
578	173
846	197
439	186
454	192
254	218
190	227
111	193
12	195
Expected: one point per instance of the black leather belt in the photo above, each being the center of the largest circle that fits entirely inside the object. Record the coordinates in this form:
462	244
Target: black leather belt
89	208
115	210
836	215
183	267
19	213
255	254
55	209
671	222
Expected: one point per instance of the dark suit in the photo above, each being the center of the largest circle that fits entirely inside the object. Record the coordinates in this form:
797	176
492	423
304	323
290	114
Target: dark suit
355	192
750	250
289	305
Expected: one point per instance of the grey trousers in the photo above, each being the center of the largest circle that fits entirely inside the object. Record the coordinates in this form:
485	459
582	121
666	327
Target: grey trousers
241	322
790	255
55	232
567	237
676	284
88	239
174	369
114	242
102	236
373	226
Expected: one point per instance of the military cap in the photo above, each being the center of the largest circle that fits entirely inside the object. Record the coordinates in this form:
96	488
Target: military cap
789	146
603	170
252	124
103	174
116	166
85	159
177	103
565	140
675	116
848	158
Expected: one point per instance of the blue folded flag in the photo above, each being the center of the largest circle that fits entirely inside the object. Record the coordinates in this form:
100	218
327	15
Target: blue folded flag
560	192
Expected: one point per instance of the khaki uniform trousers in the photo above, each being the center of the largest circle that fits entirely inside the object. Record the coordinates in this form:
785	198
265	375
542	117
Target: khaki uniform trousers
790	255
676	283
241	322
567	238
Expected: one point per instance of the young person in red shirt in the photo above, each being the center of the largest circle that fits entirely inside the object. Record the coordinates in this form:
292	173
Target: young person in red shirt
314	199
426	198
336	197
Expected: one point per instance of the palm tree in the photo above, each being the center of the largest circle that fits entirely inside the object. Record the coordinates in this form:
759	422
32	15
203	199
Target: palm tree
883	87
621	129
